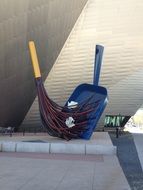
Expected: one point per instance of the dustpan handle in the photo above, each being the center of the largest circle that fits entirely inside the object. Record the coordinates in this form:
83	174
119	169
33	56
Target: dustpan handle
97	63
34	59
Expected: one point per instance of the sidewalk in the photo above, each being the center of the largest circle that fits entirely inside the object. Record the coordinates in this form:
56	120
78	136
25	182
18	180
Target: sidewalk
129	158
43	171
138	139
31	173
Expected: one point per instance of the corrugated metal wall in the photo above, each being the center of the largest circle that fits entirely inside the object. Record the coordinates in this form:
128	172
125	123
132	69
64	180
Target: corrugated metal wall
118	26
48	23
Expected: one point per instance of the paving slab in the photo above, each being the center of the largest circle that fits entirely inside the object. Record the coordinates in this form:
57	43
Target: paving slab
100	149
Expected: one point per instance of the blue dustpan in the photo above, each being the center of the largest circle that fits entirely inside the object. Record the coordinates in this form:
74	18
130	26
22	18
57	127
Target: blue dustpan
98	94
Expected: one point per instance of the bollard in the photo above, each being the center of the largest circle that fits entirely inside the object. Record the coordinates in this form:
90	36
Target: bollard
117	132
23	132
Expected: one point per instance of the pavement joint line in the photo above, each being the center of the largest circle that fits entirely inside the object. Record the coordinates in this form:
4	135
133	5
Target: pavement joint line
85	150
93	176
49	148
60	182
15	147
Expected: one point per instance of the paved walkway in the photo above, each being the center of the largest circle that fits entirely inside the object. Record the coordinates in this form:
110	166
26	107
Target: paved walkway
129	159
42	171
32	171
138	139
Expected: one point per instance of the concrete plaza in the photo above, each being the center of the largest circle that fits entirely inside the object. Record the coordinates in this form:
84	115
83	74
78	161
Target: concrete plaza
44	171
33	171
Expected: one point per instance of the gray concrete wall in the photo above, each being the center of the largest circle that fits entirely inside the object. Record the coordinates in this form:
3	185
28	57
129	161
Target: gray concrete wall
48	23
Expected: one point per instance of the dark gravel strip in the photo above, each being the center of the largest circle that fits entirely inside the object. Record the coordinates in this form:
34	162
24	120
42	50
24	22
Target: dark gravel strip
128	158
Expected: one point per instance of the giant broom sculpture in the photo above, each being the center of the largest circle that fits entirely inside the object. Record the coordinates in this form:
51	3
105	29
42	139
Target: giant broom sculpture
54	117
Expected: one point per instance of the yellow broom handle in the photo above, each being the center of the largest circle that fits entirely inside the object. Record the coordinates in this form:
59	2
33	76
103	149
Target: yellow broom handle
34	59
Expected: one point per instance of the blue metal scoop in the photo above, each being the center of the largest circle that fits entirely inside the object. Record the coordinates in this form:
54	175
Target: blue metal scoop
97	93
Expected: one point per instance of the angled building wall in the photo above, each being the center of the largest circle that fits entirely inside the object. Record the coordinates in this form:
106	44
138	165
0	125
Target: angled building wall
48	23
118	26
